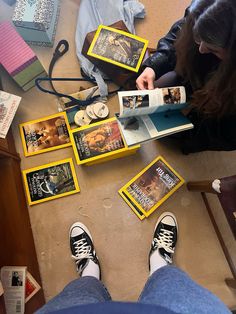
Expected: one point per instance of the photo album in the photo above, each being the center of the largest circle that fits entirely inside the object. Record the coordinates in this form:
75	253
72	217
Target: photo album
50	181
118	47
151	114
45	134
151	187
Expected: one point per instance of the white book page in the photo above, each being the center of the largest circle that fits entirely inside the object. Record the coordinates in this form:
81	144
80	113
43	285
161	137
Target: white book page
144	132
143	129
13	281
143	102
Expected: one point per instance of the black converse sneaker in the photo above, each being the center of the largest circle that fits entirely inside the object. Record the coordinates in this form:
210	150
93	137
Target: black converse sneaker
164	241
83	251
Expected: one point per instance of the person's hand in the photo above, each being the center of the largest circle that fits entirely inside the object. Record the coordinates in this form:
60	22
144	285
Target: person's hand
146	79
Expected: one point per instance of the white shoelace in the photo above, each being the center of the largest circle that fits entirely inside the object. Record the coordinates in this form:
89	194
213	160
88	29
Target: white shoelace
82	250
165	240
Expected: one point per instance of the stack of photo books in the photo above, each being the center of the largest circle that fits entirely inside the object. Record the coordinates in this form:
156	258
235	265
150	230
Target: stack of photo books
151	114
151	187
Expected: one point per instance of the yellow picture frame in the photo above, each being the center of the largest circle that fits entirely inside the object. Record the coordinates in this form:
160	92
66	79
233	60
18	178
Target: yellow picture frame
30	126
163	199
112	61
103	156
37	184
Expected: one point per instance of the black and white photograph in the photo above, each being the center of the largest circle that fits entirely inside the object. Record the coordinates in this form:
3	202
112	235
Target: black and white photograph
16	279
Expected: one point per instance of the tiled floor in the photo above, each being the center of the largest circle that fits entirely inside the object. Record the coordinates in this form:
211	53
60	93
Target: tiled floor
122	241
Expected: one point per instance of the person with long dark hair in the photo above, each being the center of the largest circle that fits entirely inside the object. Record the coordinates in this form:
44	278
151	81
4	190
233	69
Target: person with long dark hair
199	52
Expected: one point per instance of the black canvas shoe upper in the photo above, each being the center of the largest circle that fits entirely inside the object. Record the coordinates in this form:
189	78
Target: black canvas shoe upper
82	250
164	239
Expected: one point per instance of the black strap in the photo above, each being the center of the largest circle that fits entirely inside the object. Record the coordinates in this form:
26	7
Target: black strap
61	48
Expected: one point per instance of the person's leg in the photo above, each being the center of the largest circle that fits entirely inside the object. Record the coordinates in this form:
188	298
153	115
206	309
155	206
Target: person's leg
88	288
172	288
167	285
83	290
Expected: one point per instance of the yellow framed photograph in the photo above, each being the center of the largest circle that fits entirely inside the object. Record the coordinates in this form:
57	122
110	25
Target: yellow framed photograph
50	181
118	47
151	187
45	134
99	141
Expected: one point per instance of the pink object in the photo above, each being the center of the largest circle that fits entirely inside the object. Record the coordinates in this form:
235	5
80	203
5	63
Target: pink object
15	54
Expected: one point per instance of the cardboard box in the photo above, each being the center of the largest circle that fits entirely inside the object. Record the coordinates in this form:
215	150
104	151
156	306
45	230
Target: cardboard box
36	20
18	58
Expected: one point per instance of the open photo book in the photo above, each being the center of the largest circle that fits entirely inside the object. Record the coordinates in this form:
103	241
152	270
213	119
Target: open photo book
151	114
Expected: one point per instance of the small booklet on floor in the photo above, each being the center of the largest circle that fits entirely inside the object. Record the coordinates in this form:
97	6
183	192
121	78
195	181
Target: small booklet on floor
8	107
13	280
151	114
151	187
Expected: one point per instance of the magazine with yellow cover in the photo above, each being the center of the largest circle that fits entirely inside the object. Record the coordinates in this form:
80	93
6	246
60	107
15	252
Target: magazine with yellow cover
118	47
151	187
45	134
134	207
129	151
99	141
50	181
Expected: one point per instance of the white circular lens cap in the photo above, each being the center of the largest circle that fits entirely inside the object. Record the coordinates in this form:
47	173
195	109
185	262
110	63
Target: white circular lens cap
81	118
90	112
101	110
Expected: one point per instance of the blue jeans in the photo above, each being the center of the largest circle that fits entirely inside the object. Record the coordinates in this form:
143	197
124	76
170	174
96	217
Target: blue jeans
168	287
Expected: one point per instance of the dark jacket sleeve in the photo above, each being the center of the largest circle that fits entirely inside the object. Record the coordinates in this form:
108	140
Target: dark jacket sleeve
209	134
164	59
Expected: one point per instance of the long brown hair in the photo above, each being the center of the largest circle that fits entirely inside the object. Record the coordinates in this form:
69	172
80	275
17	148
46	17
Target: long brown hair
213	81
